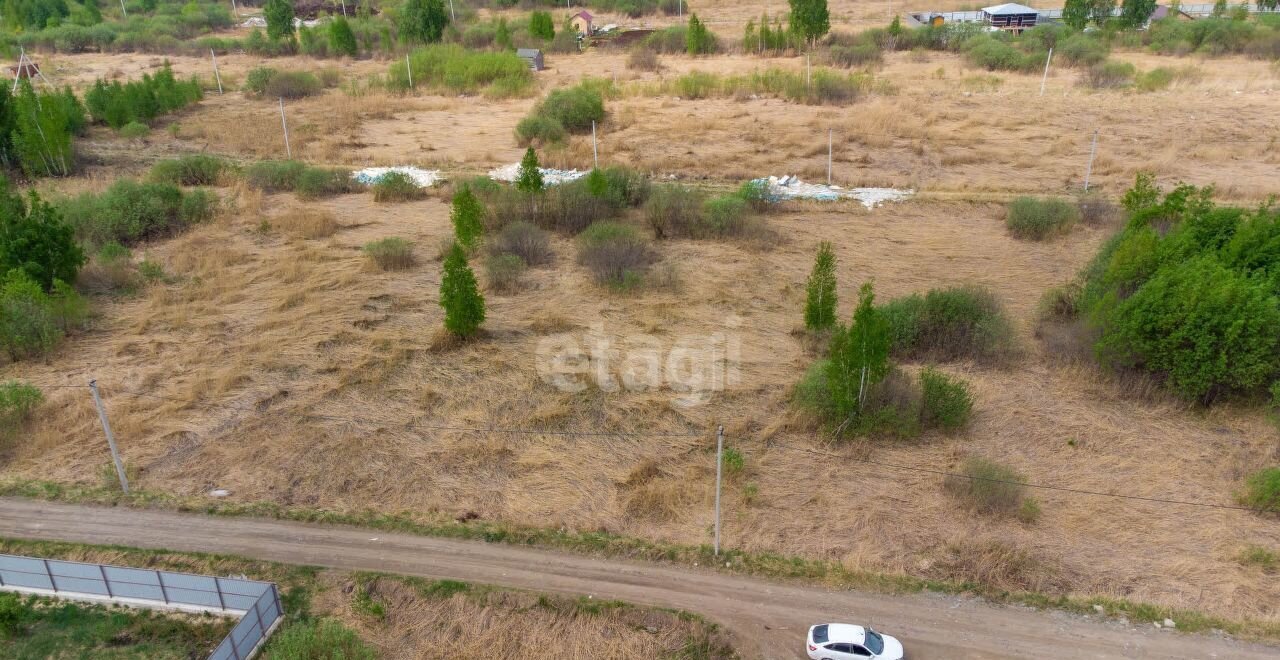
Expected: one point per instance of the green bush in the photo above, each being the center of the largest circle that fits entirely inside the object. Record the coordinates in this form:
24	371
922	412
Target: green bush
17	401
864	54
274	175
1262	490
1110	75
945	402
725	215
317	640
455	69
673	210
270	83
1082	50
464	308
118	104
36	130
130	211
391	253
526	241
13	615
669	40
32	322
396	187
193	170
570	110
504	272
994	54
965	322
615	254
1037	218
1155	80
318	182
988	487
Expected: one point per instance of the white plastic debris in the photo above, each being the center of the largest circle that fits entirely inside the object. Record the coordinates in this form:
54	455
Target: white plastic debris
423	178
791	187
260	22
219	492
550	176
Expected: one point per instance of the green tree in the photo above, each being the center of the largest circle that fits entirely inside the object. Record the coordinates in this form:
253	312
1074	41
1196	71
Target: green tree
43	126
467	216
820	292
698	40
342	39
529	179
459	295
1219	8
502	35
423	21
35	240
810	19
1100	10
1135	13
279	16
541	26
859	358
1075	13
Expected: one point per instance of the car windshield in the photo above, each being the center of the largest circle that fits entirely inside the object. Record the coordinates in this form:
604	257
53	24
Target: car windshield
874	642
820	634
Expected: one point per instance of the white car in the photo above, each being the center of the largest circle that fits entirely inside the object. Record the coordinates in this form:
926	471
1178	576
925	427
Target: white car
842	641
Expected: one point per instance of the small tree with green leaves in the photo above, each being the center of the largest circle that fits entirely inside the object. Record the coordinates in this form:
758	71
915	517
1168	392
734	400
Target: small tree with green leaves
810	19
460	296
279	17
467	216
1075	13
1100	10
820	292
529	179
35	239
541	25
698	40
859	358
342	39
423	21
1135	13
502	35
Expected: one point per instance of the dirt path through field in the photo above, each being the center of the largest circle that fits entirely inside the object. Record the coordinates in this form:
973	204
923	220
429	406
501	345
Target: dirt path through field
766	619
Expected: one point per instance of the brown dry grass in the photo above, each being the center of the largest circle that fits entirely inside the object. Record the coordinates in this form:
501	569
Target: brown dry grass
334	361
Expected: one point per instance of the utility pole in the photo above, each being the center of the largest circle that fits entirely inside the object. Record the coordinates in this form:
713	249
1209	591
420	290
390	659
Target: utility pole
1045	77
719	462
216	75
828	156
595	151
408	68
287	150
806	71
1092	152
452	16
111	439
123	10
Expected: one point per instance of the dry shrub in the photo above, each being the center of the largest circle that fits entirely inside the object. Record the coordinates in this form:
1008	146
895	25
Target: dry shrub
616	254
643	59
990	488
997	564
523	240
307	223
391	253
1096	210
656	500
504	271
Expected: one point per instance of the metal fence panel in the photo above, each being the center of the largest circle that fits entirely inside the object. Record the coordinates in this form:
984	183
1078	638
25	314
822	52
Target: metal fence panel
260	601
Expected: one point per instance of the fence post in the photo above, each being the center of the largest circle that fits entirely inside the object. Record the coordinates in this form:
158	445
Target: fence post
111	440
288	151
275	593
218	586
1093	150
828	156
105	582
1045	77
408	69
719	461
216	75
163	594
595	151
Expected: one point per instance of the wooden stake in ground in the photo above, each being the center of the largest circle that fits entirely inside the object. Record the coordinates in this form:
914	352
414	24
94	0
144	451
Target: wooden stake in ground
216	75
123	10
1093	150
288	151
408	69
719	462
1045	77
828	156
234	9
111	439
595	151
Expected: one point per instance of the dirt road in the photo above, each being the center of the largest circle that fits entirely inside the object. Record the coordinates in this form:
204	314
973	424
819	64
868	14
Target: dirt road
766	619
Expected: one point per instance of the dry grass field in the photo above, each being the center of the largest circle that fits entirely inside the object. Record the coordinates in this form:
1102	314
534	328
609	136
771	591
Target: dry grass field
281	366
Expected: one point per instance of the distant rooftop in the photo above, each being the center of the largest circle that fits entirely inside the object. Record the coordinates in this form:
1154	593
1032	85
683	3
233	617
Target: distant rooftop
1010	8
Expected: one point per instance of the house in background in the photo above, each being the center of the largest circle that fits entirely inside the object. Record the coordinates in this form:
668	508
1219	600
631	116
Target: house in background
1010	16
1165	11
581	22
